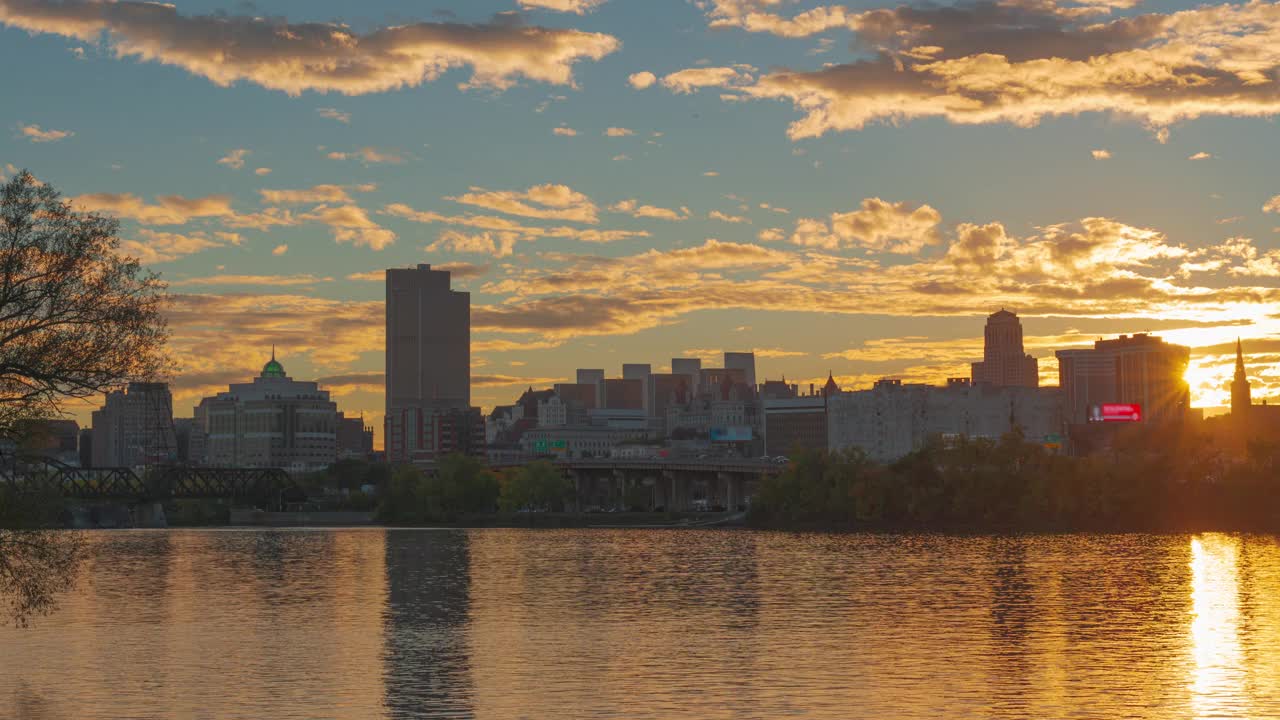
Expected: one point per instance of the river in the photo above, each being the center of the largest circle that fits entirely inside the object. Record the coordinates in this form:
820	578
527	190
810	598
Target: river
374	623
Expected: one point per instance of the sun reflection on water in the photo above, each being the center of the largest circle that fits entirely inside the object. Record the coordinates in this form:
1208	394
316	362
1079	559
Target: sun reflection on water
1217	673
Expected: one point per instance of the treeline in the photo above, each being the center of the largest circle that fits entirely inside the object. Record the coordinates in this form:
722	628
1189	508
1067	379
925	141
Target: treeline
1152	479
462	485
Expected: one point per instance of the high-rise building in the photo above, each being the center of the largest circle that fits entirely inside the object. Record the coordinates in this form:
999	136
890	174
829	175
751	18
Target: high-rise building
744	361
623	394
639	371
135	427
272	422
593	377
690	367
428	356
666	390
1142	370
1241	395
1004	363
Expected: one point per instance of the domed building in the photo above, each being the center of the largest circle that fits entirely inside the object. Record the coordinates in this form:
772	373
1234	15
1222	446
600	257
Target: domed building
274	421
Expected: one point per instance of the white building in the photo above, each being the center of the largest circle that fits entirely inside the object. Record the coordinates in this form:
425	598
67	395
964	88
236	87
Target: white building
553	412
891	419
274	421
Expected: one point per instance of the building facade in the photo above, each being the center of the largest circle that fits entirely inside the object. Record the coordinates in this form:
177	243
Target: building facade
1142	369
792	423
272	422
134	427
428	356
1004	362
892	419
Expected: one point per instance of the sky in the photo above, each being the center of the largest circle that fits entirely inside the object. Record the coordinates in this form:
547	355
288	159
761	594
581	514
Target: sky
840	188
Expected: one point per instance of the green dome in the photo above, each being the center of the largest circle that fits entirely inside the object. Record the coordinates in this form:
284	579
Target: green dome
273	368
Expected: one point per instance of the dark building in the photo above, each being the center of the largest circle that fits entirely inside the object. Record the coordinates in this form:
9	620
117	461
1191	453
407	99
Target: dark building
86	447
355	439
428	353
666	390
798	423
622	394
1004	363
578	399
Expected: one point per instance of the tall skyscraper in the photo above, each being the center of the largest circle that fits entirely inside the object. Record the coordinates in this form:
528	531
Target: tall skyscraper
639	371
1004	363
1141	369
744	361
428	358
1241	395
593	377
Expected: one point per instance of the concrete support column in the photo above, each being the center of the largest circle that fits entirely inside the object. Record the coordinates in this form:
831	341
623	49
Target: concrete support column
730	482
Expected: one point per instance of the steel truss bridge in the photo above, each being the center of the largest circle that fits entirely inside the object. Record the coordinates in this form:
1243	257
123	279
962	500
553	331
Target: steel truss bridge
268	488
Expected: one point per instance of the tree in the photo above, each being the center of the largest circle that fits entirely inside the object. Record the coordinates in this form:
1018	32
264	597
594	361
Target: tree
77	318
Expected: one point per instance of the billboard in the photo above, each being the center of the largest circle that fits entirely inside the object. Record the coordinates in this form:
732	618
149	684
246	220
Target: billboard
731	433
1115	412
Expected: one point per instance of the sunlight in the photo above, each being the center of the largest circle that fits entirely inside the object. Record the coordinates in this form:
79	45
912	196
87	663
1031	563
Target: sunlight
1217	676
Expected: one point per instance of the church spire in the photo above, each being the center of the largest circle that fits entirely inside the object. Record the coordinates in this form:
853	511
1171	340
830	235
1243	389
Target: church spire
1241	395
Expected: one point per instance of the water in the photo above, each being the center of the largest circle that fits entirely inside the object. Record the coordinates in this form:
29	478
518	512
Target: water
654	624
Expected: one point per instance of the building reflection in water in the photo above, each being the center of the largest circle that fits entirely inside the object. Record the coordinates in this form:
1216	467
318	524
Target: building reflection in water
426	667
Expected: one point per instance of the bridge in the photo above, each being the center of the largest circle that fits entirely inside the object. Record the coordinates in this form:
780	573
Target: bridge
679	485
267	488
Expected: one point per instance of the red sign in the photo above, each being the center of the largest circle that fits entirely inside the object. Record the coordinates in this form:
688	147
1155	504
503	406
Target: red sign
1116	412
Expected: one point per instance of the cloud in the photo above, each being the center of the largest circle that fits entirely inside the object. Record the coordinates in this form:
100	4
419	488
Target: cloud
463	270
351	224
262	171
280	249
323	57
505	225
315	195
641	80
693	79
770	235
496	244
1100	154
579	7
634	209
369	155
548	201
1272	205
153	247
234	159
335	114
1020	62
1200	156
878	225
168	209
564	131
618	132
36	134
711	173
266	280
717	215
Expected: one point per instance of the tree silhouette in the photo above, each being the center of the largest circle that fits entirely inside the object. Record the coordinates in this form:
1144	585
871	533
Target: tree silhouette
77	318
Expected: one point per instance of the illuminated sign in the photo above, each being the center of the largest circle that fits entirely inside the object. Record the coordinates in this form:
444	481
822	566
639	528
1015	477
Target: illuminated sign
1115	412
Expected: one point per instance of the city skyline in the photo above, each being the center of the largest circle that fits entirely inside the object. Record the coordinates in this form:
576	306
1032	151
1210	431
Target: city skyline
629	178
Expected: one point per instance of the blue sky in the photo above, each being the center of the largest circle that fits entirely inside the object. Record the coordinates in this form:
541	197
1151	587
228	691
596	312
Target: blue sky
1059	183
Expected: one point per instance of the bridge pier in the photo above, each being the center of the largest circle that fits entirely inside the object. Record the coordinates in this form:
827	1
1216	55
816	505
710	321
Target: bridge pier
149	515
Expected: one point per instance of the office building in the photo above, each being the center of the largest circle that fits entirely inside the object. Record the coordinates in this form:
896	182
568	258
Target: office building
593	377
426	434
690	368
639	371
272	422
1142	369
1004	363
134	427
744	361
623	394
666	390
428	355
795	423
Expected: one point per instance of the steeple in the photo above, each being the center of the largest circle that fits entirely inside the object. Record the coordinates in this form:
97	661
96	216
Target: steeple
1241	396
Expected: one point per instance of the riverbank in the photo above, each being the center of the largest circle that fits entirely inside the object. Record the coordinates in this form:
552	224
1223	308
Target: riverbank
257	518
